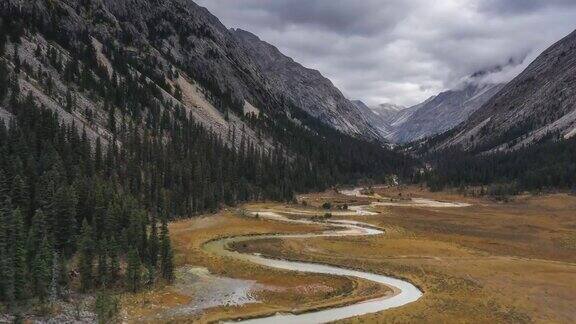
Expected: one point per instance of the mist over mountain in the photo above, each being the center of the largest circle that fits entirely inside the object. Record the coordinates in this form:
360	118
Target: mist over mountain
537	104
438	113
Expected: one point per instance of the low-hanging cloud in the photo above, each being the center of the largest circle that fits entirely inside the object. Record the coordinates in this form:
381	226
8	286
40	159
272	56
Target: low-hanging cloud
403	51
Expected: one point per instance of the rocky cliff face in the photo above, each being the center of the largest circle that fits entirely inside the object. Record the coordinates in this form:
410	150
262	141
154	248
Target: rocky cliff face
538	104
306	88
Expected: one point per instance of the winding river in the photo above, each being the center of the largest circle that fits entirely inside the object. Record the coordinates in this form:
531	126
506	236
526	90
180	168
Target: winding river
403	291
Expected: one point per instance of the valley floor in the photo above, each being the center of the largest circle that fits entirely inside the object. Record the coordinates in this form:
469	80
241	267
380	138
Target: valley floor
478	261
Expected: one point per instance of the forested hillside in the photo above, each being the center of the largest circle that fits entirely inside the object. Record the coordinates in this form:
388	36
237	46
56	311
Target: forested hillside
105	138
545	166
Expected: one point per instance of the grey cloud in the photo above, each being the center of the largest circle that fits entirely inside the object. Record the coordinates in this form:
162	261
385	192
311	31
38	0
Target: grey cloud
343	16
515	7
403	51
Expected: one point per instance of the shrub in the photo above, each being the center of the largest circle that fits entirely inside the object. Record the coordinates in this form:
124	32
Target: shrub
107	307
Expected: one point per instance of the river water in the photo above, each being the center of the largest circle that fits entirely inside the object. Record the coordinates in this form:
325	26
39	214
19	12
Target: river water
403	291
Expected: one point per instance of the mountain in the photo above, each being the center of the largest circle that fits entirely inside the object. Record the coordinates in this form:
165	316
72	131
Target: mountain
219	72
436	115
537	105
121	74
377	121
387	110
441	112
306	88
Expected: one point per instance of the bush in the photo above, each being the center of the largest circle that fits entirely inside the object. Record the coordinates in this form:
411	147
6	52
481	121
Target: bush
327	205
502	192
107	307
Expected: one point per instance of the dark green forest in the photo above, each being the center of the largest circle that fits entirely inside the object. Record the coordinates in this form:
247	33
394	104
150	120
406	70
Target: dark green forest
548	165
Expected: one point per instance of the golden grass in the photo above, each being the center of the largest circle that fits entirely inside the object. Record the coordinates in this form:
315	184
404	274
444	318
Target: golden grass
491	262
488	263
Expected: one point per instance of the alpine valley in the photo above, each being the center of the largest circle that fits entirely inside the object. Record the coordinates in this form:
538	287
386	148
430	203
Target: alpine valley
157	166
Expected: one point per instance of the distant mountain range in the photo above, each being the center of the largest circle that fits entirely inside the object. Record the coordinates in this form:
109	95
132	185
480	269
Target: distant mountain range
434	116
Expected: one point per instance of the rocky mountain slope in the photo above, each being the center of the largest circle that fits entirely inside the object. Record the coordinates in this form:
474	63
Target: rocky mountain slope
538	104
379	122
306	88
441	112
436	115
388	111
193	59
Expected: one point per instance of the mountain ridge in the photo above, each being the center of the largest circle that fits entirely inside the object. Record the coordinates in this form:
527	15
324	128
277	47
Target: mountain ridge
308	88
538	104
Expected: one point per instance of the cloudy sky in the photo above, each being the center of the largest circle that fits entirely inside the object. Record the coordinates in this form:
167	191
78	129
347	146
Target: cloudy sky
403	51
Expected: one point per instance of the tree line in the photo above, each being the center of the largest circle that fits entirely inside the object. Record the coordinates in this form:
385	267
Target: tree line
547	165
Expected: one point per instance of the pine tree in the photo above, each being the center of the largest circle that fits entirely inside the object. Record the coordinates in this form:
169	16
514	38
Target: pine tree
103	269
86	262
112	119
70	102
20	194
46	193
133	271
114	255
42	269
166	256
36	233
63	280
98	163
19	256
65	203
150	275
4	189
4	80
6	257
2	38
153	244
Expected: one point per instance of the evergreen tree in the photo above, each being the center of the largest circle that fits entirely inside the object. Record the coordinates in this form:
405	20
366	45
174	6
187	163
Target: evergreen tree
2	38
19	256
20	194
103	269
70	102
166	256
153	244
7	267
4	80
35	235
114	255
133	271
42	270
65	203
86	260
